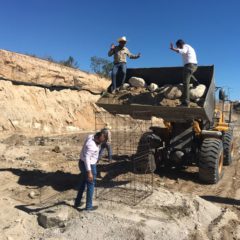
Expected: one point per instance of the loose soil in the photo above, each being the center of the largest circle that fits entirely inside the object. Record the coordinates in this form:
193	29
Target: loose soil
180	207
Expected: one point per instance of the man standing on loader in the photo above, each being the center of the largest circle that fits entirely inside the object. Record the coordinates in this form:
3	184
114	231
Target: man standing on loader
190	66
120	53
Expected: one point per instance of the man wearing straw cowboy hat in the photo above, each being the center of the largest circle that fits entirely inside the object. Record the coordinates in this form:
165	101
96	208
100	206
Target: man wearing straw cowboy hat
120	53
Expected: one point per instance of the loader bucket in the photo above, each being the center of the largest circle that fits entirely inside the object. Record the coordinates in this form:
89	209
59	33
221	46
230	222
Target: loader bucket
162	76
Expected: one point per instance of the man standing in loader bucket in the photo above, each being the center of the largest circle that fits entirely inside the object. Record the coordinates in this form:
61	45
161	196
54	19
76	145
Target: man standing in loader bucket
190	66
120	53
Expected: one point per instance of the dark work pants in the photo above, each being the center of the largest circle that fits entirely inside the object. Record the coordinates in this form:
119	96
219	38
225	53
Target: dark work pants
188	71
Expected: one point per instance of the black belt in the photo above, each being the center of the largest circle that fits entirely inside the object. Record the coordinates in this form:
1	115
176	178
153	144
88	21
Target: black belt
119	62
190	64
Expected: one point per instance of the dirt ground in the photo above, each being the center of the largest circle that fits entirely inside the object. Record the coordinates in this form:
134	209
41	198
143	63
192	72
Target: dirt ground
39	175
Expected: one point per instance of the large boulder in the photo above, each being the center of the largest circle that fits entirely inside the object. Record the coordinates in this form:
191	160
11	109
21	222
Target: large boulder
55	216
170	102
173	91
125	86
137	82
153	87
197	92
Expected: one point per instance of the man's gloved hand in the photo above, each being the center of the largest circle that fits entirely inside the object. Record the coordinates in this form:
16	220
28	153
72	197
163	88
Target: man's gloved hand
139	55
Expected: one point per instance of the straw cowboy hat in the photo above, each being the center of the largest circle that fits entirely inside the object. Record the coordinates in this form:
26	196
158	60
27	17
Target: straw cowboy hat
122	39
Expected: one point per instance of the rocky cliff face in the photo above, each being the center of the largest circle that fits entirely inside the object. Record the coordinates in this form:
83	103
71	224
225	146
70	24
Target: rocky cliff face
29	102
26	69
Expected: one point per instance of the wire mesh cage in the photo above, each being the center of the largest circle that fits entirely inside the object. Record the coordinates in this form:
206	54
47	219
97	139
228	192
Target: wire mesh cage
125	178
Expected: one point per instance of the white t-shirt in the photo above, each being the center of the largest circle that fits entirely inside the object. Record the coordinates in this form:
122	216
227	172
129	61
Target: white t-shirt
90	152
188	54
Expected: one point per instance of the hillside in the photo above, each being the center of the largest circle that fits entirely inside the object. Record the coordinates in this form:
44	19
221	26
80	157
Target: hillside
47	111
37	95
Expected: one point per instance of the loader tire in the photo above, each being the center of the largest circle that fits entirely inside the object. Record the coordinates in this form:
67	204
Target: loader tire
228	148
145	164
144	159
211	160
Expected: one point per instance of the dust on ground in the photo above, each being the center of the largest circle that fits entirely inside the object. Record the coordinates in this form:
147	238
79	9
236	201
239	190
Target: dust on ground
39	175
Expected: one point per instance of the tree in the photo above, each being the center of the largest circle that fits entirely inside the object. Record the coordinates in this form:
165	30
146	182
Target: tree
70	62
101	66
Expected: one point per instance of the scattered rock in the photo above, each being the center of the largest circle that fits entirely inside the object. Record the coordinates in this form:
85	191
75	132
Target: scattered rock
55	216
125	86
137	82
193	104
32	194
102	174
40	141
197	92
27	161
56	149
173	92
167	95
21	158
153	87
170	103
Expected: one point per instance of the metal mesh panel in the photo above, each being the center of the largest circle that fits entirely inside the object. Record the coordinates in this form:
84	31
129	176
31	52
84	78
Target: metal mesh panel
126	179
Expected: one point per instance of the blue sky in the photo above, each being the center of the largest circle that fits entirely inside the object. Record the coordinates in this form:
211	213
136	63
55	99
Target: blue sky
60	28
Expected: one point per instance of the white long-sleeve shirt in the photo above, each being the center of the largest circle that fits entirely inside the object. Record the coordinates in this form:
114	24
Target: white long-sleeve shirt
188	54
90	152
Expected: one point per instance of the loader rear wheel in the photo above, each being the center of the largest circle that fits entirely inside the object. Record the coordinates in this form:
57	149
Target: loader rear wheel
145	163
211	160
144	159
228	148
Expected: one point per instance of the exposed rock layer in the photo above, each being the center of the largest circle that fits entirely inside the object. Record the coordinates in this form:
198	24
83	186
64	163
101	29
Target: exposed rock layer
23	68
32	108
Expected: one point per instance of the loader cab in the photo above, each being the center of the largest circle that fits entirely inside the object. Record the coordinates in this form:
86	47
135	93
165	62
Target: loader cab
223	107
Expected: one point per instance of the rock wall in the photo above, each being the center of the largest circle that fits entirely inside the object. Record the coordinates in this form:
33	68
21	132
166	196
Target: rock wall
27	69
42	109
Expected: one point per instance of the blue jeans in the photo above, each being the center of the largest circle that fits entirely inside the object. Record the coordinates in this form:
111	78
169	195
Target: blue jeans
90	185
116	68
109	150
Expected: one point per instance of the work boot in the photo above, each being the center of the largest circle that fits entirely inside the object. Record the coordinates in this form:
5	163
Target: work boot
77	206
91	209
184	104
194	81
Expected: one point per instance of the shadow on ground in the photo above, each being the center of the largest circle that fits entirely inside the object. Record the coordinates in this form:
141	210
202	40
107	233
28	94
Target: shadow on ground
176	174
222	200
63	181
